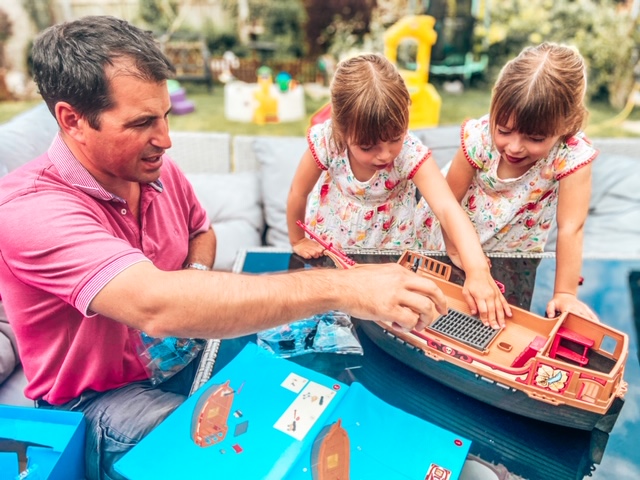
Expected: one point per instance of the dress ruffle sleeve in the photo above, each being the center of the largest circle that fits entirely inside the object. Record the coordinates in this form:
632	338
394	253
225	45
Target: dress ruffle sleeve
476	141
574	153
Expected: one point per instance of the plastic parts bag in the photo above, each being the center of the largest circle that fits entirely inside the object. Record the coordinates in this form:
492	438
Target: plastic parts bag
164	357
331	332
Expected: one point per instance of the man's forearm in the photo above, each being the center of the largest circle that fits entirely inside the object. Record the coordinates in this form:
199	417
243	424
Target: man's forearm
202	249
223	305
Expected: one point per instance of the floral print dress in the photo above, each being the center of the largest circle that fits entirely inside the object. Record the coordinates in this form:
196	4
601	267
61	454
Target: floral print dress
377	213
513	214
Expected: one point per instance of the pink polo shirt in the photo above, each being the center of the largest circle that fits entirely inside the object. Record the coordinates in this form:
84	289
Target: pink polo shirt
63	238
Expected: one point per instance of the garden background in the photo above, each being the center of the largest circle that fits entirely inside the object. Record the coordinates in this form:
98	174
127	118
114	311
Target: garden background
304	37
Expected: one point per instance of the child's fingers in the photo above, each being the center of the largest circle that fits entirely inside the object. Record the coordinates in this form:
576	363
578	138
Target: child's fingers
505	306
471	302
489	308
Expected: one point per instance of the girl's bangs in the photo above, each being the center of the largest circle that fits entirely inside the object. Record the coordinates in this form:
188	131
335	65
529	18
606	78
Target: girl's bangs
371	129
535	118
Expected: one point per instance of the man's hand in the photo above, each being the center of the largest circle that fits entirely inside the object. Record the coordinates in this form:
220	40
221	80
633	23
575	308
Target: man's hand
392	294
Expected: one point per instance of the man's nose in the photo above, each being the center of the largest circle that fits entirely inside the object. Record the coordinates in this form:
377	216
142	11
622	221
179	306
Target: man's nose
161	137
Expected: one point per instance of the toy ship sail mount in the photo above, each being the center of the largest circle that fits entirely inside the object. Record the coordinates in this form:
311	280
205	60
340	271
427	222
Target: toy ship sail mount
566	370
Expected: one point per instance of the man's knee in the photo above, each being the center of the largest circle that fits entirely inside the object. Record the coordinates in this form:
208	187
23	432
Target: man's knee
118	421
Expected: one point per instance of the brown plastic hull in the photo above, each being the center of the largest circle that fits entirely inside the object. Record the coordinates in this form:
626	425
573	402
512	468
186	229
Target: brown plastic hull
487	390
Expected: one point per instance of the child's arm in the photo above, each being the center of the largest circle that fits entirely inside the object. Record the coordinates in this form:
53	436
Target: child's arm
303	181
480	290
573	205
460	175
459	178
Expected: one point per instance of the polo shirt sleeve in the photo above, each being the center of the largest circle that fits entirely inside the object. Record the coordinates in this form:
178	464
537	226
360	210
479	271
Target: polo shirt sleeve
66	246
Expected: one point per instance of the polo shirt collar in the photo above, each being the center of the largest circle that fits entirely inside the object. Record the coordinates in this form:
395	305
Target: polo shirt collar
74	173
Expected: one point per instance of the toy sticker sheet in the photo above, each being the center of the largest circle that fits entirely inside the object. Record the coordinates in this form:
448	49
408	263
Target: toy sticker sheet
305	410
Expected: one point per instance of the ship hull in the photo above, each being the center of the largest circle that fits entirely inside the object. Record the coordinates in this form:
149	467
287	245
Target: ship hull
489	390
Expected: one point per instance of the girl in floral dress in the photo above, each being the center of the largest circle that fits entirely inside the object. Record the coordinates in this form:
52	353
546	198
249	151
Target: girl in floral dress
526	165
355	185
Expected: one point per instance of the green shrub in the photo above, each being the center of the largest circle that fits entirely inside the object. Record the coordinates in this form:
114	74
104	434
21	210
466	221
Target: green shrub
606	37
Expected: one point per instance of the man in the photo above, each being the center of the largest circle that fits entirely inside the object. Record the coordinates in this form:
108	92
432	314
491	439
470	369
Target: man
96	234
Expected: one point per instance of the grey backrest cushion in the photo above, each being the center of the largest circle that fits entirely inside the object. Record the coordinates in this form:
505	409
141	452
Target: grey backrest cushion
25	137
278	158
233	204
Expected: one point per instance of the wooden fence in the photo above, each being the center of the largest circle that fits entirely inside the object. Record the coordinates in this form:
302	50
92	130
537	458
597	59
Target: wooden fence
303	70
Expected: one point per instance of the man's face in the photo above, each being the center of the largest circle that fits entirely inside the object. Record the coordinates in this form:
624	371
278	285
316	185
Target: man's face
133	134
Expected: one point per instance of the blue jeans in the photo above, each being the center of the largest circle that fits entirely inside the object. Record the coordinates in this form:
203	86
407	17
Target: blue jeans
118	419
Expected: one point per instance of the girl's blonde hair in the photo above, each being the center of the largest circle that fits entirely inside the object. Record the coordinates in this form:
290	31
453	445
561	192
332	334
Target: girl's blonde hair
369	102
542	92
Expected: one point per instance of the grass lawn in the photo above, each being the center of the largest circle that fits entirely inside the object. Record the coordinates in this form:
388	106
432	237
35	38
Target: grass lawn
209	114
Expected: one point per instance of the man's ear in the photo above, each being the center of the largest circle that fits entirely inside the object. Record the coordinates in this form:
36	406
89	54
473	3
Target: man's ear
71	122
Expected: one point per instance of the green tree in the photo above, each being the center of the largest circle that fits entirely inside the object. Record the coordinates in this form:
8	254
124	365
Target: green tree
606	37
41	12
283	22
159	15
334	19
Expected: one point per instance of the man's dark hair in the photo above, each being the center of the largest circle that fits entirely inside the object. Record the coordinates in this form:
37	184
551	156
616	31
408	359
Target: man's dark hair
69	62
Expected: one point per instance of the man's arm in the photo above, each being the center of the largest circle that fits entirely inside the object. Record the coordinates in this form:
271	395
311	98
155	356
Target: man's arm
187	303
202	249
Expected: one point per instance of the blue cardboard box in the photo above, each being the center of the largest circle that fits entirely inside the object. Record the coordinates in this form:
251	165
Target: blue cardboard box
41	444
264	417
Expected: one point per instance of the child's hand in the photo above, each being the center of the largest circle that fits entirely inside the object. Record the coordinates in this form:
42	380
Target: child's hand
308	248
567	302
485	300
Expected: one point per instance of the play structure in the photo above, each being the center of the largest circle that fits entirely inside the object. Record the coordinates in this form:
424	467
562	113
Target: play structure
408	44
454	56
180	104
264	101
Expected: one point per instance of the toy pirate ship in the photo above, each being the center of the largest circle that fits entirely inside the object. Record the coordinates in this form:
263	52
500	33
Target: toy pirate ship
566	370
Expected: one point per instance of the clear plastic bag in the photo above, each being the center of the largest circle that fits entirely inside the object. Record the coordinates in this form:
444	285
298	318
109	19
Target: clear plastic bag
164	357
328	332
